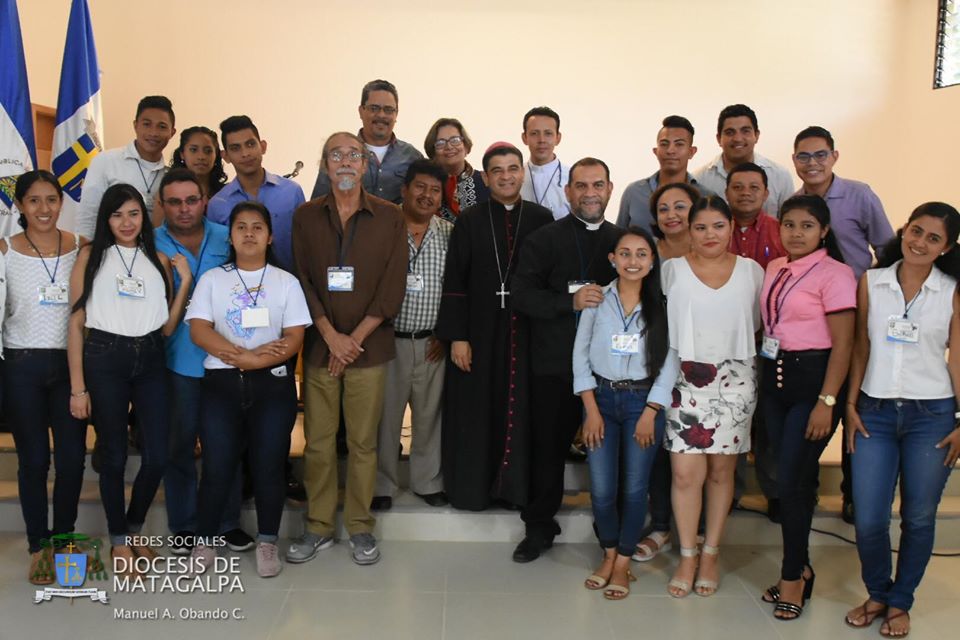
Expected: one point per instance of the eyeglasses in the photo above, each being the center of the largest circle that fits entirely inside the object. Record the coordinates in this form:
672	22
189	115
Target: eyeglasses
820	156
376	108
337	156
453	141
191	201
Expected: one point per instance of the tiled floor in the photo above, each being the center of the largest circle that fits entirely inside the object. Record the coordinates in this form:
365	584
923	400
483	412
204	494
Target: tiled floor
461	591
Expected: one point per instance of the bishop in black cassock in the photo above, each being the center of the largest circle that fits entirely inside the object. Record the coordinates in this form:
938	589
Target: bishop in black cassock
485	444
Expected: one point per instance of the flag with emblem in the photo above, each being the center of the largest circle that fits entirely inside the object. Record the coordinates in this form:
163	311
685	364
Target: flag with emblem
18	152
79	132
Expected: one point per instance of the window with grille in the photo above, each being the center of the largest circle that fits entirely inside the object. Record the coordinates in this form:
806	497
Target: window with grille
947	71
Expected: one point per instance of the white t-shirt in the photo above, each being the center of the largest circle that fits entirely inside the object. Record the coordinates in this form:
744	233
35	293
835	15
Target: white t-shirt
223	293
380	151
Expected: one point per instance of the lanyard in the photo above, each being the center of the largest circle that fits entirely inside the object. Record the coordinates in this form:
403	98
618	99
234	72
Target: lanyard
533	183
774	307
203	249
411	263
259	286
142	175
626	321
907	307
132	262
53	276
341	249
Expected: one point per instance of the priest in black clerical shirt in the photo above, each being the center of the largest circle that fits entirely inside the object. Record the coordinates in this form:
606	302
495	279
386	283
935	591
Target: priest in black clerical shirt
486	431
562	270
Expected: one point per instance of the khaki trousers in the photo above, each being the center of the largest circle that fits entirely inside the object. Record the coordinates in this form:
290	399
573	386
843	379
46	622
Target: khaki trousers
361	393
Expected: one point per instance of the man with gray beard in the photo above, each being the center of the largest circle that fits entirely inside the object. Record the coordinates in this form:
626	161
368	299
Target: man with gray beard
563	269
350	251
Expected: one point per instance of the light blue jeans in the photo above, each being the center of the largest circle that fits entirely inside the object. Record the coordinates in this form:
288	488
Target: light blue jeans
902	445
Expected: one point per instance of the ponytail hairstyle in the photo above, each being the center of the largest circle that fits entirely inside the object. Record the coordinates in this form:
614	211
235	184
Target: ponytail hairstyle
653	307
816	207
949	262
103	239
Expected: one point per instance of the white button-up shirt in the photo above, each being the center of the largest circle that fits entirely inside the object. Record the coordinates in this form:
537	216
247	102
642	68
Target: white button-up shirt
111	167
544	185
779	182
916	371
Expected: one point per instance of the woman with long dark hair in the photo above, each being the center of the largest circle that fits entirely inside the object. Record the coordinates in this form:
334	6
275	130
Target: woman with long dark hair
120	296
199	151
37	387
624	375
249	315
714	314
904	429
807	304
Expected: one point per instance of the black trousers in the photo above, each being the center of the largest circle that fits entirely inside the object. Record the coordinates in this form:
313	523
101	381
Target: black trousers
555	417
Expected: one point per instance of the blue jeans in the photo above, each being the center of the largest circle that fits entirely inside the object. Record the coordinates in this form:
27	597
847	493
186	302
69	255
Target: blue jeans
180	482
37	389
120	370
620	410
252	411
903	437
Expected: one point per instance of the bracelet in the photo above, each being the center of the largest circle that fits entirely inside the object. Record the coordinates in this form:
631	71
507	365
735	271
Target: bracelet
78	394
956	416
655	408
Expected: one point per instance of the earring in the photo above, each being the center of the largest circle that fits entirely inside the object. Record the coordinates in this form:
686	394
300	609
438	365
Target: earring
613	264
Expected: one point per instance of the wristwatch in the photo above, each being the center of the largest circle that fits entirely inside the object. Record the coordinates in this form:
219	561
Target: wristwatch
828	400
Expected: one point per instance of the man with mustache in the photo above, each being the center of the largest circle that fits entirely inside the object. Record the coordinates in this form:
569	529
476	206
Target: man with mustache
545	177
351	258
485	410
563	267
387	157
737	135
416	375
244	149
755	234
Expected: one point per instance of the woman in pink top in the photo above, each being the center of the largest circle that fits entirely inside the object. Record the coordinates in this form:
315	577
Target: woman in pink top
807	304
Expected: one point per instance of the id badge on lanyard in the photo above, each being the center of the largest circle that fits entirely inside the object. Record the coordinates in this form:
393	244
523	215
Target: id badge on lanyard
770	347
131	286
55	293
340	278
900	329
625	344
414	283
255	317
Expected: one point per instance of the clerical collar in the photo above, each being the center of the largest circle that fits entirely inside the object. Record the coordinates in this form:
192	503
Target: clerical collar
591	226
509	207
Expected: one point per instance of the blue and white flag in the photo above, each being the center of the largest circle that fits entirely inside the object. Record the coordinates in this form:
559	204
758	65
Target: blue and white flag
79	133
18	152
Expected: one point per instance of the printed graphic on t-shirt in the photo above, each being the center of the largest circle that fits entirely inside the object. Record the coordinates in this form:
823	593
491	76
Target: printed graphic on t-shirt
242	299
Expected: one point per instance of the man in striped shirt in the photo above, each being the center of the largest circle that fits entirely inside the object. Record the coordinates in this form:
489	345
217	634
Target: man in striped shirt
416	375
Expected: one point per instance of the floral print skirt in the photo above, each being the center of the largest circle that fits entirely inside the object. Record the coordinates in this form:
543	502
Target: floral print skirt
712	407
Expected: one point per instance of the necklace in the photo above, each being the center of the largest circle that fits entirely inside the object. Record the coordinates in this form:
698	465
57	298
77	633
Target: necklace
503	293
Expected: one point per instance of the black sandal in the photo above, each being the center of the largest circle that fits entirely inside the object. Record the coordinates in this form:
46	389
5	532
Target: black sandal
771	595
787	607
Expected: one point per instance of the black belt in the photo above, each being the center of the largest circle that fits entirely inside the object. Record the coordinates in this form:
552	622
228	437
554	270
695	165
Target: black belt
806	353
630	385
413	335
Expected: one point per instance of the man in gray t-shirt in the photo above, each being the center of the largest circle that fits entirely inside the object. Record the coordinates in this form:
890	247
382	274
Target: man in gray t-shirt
674	151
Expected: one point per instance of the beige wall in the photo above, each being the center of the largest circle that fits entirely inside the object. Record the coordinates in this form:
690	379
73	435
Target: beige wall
612	68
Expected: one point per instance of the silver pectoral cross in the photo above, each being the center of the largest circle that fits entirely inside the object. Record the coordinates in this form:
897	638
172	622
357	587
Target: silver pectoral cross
503	293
